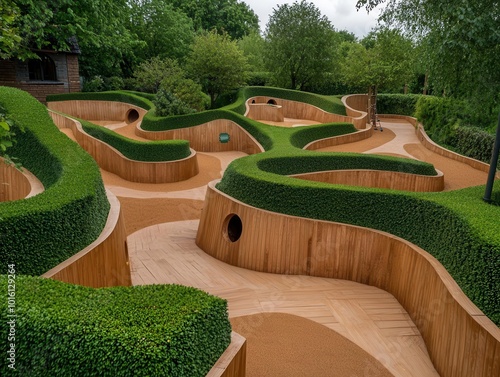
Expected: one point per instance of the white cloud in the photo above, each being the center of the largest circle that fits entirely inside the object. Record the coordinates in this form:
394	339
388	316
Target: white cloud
341	13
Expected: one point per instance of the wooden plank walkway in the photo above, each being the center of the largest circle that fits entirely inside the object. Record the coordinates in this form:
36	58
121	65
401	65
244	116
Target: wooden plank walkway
368	316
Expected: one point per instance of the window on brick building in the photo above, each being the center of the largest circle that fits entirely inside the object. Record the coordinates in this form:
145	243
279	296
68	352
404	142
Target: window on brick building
43	69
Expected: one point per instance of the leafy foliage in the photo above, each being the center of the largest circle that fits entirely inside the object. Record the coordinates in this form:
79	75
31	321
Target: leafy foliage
217	64
40	232
401	104
167	104
156	330
299	45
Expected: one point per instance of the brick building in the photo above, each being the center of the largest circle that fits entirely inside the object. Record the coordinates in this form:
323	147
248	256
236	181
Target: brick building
54	73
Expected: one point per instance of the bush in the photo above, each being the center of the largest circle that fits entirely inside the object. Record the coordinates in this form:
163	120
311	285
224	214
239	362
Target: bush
168	104
258	78
40	232
93	84
150	74
157	330
474	142
401	104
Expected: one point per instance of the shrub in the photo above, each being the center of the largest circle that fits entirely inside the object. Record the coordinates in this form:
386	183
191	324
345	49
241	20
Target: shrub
157	330
168	104
402	104
40	232
474	142
150	74
94	84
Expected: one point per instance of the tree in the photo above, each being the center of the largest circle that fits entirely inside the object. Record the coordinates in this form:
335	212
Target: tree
167	32
9	35
226	16
382	60
300	45
253	46
217	64
151	73
462	40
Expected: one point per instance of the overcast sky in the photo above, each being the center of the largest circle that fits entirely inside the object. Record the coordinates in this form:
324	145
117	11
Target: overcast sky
341	13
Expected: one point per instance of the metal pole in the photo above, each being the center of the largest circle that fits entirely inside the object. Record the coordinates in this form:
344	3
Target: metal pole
493	165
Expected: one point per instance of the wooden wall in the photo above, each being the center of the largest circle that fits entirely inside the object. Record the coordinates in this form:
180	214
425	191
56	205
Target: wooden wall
301	110
105	262
96	110
205	137
356	106
378	178
264	111
232	362
14	185
113	161
338	140
460	339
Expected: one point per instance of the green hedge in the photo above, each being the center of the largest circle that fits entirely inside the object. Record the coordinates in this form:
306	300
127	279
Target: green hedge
401	104
164	150
301	136
458	228
40	232
473	142
68	330
143	100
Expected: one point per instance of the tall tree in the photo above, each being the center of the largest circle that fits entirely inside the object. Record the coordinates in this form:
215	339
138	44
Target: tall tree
253	46
300	45
167	32
217	64
230	16
462	39
9	35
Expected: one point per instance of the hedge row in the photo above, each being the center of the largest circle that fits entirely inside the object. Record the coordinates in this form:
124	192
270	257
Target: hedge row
143	100
69	330
458	228
401	104
40	232
164	150
301	136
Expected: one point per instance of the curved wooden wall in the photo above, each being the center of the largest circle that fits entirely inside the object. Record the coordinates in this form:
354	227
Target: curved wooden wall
264	111
96	110
378	178
356	106
105	262
113	161
302	110
205	137
342	139
232	362
14	185
460	339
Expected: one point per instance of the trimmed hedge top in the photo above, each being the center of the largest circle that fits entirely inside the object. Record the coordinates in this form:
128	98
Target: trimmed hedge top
159	330
40	232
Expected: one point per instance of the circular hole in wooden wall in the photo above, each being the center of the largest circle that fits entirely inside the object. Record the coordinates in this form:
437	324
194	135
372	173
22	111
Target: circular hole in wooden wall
233	227
132	115
271	102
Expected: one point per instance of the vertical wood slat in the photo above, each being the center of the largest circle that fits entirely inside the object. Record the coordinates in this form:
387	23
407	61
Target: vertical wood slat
205	137
264	111
105	262
96	110
378	178
456	332
110	159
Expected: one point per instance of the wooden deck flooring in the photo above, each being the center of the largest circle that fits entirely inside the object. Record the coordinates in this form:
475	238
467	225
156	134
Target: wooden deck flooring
368	316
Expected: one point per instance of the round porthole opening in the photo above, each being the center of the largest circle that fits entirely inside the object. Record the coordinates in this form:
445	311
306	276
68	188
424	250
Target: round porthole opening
132	116
271	102
233	228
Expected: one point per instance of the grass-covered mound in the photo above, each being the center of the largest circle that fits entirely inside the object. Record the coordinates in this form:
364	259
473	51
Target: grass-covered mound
68	330
40	232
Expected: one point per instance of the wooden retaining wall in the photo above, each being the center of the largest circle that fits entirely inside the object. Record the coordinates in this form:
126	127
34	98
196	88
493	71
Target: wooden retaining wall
232	362
264	111
115	162
460	339
338	140
356	106
105	262
378	178
301	110
205	137
17	184
98	110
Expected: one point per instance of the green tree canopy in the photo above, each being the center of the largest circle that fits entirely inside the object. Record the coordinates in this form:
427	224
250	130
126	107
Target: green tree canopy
167	32
231	16
300	45
217	64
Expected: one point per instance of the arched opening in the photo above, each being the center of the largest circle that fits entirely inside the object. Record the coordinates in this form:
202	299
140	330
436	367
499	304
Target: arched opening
271	102
43	69
253	101
233	228
132	116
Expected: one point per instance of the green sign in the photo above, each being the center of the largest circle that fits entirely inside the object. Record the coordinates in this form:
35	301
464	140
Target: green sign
224	137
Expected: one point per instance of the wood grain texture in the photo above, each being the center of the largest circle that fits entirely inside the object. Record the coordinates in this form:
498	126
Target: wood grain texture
378	178
205	137
302	110
105	262
96	110
232	362
356	106
338	140
264	111
460	339
14	185
110	159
